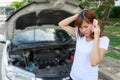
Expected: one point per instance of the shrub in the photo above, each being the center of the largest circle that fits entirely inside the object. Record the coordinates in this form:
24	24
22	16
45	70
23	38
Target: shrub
115	12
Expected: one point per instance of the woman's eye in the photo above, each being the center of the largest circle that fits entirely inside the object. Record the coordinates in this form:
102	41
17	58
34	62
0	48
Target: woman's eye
85	26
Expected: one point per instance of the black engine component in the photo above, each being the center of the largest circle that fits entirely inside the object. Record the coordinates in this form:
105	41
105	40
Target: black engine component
49	57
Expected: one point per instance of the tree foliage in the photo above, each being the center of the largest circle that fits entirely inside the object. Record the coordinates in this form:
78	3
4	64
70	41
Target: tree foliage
17	4
28	1
115	12
101	8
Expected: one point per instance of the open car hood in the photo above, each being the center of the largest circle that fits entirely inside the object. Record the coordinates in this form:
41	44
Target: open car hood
39	13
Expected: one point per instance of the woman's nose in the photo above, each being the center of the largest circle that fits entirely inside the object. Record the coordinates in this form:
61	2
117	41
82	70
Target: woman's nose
84	29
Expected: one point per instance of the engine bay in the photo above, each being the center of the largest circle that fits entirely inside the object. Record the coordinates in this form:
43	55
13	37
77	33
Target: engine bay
44	63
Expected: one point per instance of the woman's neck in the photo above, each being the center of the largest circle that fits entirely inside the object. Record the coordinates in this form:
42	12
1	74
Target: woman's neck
88	38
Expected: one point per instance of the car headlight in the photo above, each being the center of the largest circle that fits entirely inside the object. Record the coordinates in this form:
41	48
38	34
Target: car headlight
39	79
14	73
66	78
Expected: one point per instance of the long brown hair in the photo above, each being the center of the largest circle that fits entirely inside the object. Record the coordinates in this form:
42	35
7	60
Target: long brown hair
88	16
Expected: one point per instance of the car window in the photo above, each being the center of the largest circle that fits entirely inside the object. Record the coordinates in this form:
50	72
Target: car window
41	35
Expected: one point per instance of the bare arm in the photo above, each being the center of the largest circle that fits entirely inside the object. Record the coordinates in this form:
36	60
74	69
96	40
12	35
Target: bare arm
97	53
64	24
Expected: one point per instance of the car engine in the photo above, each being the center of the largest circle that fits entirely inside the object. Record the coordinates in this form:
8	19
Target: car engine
52	62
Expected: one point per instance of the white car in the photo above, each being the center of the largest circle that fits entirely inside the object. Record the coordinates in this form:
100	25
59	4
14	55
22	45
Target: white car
35	48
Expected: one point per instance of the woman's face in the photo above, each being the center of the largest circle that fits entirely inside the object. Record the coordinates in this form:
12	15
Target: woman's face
86	28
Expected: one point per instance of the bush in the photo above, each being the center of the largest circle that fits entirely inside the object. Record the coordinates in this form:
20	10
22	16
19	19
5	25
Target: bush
98	11
115	12
18	4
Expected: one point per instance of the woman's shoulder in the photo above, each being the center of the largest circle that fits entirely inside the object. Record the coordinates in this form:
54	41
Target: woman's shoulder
104	38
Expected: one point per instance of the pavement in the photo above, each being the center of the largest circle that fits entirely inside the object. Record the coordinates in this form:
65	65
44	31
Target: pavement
109	69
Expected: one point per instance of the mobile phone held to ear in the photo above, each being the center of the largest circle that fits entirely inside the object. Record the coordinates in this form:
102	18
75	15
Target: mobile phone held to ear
95	22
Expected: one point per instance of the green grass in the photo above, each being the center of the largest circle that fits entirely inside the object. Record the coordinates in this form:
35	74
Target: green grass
113	55
112	30
114	40
114	35
113	20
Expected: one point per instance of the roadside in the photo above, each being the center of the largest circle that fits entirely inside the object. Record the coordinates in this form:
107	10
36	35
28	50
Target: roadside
110	69
2	18
110	66
112	30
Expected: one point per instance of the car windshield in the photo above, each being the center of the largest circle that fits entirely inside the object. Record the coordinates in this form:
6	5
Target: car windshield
41	35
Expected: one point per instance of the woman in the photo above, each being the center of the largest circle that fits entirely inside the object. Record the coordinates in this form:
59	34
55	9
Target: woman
91	45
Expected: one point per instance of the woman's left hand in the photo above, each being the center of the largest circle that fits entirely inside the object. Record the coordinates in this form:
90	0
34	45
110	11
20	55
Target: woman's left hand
96	29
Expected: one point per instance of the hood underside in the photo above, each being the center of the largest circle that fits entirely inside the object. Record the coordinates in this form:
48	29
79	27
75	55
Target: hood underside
48	16
39	13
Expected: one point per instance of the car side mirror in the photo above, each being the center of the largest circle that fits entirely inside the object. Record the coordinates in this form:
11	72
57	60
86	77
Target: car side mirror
2	38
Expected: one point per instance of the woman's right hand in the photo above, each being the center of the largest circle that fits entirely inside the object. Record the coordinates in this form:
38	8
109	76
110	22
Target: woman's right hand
64	24
96	29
